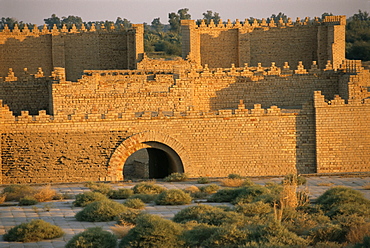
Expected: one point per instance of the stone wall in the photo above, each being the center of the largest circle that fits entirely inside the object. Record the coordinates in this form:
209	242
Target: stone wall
73	49
222	44
342	135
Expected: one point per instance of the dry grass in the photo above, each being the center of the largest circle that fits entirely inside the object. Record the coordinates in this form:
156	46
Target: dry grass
357	233
121	231
2	198
289	195
366	186
325	184
46	193
235	182
192	189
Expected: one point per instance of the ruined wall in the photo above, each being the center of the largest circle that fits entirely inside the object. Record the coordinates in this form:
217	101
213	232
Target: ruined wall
68	149
342	135
74	49
222	44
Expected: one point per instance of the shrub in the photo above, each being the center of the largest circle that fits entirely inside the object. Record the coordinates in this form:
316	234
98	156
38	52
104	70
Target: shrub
2	198
105	210
209	189
28	201
120	193
135	203
86	198
176	177
203	180
207	215
35	230
342	200
153	231
224	195
93	237
294	179
273	234
17	191
192	189
45	194
328	232
227	236
99	187
63	196
357	233
253	209
235	176
251	193
232	182
364	244
328	244
173	197
128	217
148	188
146	198
198	235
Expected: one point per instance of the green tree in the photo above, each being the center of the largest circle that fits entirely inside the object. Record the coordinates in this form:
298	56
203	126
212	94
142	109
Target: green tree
157	25
70	20
54	19
210	15
174	19
358	36
277	17
126	23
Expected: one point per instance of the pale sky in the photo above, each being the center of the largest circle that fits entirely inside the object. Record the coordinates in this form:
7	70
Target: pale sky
139	11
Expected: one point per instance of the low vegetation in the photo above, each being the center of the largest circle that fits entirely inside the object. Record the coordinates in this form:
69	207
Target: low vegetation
102	188
134	203
173	197
176	177
148	188
121	193
105	210
32	231
86	198
93	237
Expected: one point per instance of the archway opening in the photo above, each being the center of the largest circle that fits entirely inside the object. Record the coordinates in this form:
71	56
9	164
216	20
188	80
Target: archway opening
156	161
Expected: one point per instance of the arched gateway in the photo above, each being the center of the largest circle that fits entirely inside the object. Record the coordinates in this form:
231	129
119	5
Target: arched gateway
166	155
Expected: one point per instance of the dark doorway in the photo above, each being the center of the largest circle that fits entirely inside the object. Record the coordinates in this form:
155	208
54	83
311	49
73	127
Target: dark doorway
156	161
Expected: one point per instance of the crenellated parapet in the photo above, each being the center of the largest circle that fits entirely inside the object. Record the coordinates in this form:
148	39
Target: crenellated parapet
338	102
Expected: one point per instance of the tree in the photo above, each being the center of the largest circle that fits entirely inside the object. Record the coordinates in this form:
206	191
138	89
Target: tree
361	16
174	19
70	20
157	25
209	15
54	19
126	23
325	14
277	17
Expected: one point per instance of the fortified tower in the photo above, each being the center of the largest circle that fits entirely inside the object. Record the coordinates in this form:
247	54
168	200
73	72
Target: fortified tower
236	43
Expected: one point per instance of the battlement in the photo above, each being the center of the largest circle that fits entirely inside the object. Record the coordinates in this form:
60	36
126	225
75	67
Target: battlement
35	31
263	24
337	101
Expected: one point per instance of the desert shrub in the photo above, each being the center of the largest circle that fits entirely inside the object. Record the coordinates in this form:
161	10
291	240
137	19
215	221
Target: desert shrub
253	209
44	194
2	198
105	210
99	187
17	191
235	176
357	233
121	231
364	244
203	180
63	196
146	198
342	200
148	188
209	189
235	182
227	236
35	230
354	227
135	203
128	217
273	234
120	193
328	232
173	197
294	179
328	244
192	189
93	237
225	195
28	201
198	235
207	215
176	177
86	198
250	193
153	231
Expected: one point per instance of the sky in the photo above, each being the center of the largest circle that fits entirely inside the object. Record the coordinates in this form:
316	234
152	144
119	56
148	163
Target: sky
140	11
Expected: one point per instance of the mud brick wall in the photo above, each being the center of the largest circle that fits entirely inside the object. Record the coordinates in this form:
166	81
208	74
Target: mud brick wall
73	49
29	94
222	44
342	135
248	142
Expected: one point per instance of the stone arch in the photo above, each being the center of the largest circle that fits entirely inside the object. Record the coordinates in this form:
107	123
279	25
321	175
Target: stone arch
149	139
